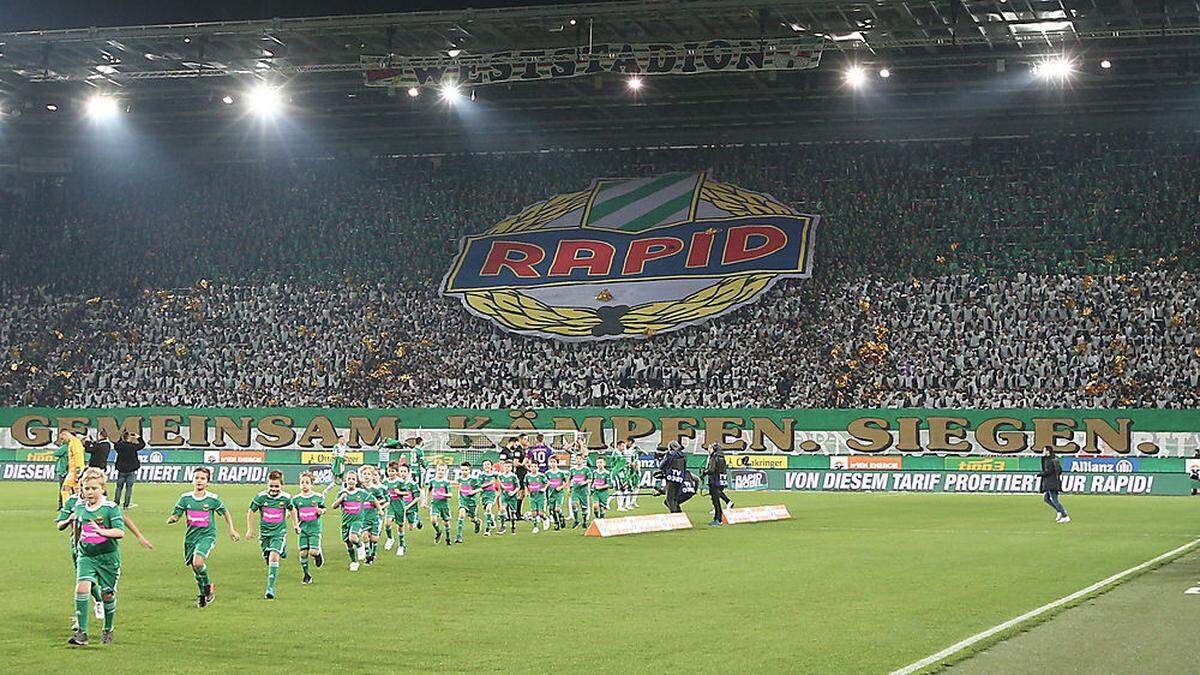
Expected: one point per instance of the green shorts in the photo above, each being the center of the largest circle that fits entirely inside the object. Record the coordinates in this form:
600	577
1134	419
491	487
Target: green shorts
470	505
311	542
412	514
537	501
273	542
554	498
580	498
102	570
441	509
489	498
600	496
509	501
371	524
351	526
395	511
201	546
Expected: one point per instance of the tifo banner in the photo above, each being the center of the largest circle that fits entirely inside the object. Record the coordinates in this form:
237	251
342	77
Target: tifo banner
531	65
29	433
630	257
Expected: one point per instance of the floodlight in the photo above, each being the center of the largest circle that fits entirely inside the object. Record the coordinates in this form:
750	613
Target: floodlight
101	107
1106	64
414	92
451	93
635	83
264	100
856	76
1054	68
885	73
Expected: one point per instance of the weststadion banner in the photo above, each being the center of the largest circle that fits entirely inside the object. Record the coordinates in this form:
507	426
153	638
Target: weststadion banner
29	433
531	65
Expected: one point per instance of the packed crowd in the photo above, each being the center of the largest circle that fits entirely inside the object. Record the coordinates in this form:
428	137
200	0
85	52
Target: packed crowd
1055	271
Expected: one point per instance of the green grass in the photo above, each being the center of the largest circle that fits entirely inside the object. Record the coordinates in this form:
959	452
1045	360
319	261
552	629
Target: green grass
853	583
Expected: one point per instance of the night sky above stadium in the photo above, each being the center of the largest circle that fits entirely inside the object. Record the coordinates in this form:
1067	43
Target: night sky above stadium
16	16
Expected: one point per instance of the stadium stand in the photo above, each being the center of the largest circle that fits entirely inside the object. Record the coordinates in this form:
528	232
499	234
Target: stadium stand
1047	271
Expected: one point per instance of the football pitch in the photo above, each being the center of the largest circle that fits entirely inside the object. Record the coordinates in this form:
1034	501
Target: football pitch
853	583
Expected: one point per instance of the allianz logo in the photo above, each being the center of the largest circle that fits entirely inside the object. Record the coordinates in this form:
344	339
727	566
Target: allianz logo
1090	466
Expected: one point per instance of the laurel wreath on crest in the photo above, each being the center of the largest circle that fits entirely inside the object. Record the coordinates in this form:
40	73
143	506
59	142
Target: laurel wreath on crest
522	312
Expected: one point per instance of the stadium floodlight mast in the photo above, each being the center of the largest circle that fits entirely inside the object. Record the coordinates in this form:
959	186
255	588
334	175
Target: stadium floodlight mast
264	100
101	107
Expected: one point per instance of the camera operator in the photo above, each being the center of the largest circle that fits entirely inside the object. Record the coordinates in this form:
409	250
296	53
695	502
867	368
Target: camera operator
97	450
717	471
674	469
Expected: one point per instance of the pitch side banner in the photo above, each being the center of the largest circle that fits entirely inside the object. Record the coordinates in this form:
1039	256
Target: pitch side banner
658	58
975	482
751	435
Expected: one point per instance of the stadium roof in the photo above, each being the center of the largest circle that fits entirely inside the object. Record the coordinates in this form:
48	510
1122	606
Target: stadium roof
174	75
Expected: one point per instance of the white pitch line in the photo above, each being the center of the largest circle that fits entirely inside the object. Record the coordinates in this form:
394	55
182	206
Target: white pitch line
959	646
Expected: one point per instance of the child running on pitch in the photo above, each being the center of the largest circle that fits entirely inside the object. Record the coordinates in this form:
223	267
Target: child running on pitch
601	484
510	496
309	506
274	506
199	505
65	519
373	511
556	483
580	476
488	487
439	502
350	500
395	509
98	557
469	485
410	496
535	483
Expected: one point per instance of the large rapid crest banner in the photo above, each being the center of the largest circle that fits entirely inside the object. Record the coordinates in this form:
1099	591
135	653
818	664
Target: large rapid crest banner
630	257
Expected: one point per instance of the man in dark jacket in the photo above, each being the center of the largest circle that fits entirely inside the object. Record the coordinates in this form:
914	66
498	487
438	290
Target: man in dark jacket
717	471
127	465
1051	475
97	451
674	468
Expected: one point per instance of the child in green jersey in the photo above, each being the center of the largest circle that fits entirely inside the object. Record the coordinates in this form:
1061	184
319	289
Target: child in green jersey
199	505
410	505
601	484
394	514
510	496
309	506
65	520
373	511
556	483
98	556
439	502
274	507
469	485
489	488
350	500
535	484
580	476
